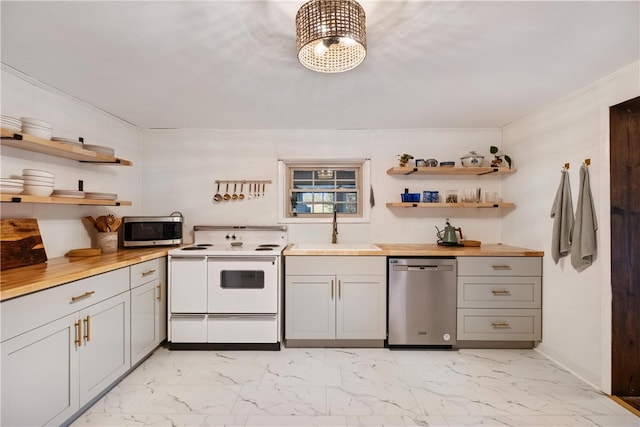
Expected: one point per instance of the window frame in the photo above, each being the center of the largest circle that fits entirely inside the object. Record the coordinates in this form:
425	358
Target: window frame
284	190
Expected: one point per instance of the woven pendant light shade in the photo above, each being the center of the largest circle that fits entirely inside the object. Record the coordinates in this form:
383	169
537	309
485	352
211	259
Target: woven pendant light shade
330	35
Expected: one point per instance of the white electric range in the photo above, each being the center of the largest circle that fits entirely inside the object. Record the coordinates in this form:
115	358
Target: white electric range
225	290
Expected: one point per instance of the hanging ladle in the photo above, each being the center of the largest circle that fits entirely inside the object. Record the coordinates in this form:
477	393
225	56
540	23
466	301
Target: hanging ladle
250	195
241	195
234	196
218	196
227	196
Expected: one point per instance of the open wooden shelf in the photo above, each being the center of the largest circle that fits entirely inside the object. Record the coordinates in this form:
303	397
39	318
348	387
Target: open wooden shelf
25	198
27	142
438	170
452	205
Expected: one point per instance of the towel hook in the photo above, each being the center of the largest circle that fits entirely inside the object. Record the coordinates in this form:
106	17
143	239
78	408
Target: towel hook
566	166
587	162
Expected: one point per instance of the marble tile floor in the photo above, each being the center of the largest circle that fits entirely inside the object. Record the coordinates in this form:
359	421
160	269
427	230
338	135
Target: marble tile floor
353	387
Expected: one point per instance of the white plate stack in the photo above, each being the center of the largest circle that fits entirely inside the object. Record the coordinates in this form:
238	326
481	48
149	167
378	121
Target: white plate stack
68	141
11	186
11	123
108	151
37	127
101	196
68	193
37	182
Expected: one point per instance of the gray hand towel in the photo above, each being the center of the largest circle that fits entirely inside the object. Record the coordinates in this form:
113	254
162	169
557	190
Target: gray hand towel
583	246
562	214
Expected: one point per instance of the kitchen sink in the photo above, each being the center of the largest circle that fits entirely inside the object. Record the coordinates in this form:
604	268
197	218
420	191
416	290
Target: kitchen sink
335	247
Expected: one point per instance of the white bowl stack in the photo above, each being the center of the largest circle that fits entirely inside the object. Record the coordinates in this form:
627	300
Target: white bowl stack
37	182
11	186
11	123
37	127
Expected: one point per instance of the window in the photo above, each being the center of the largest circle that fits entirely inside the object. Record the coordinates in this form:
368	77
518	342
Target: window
312	190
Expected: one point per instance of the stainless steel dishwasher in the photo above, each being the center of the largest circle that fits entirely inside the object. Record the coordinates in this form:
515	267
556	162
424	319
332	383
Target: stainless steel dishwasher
422	302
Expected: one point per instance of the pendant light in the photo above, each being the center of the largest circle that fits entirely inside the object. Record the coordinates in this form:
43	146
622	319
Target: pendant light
330	35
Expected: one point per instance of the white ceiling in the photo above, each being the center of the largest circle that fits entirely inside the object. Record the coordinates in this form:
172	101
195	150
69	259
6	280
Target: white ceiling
232	64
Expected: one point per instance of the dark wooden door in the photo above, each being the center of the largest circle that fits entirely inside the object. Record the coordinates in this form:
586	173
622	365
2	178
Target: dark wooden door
625	247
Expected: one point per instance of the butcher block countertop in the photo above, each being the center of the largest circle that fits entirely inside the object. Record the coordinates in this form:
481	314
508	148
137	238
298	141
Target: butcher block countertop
427	249
21	281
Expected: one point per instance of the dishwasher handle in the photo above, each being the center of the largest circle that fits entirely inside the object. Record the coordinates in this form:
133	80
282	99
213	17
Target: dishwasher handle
445	267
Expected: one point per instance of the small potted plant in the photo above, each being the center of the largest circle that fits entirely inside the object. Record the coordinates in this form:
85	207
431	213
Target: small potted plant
404	158
497	162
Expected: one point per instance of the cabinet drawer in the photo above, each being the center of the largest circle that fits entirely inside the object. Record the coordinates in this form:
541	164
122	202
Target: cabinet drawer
499	266
353	265
30	311
145	272
188	328
242	329
499	292
499	324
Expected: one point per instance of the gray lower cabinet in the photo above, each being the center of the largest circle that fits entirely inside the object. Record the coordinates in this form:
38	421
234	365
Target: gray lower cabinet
64	346
499	299
335	297
148	307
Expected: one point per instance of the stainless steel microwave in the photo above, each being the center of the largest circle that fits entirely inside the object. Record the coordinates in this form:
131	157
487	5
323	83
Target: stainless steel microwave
151	230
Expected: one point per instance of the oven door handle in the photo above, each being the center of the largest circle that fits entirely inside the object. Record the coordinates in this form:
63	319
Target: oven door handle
242	316
242	259
189	257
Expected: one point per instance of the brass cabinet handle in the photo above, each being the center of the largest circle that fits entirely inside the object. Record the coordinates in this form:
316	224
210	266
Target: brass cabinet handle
83	296
78	339
159	298
332	289
339	289
501	267
501	292
148	272
87	329
500	325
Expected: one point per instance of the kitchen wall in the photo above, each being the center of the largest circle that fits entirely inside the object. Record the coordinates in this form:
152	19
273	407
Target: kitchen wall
577	306
180	167
61	226
174	170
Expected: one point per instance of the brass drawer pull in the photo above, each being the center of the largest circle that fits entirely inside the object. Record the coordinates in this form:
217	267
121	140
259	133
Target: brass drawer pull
83	296
87	329
78	339
148	272
339	289
332	290
159	298
501	292
500	325
501	267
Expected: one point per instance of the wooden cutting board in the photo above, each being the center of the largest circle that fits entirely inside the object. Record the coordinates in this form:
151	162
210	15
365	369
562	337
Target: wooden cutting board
21	243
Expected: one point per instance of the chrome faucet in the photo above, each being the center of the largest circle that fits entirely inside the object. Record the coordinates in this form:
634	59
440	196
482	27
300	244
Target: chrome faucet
334	235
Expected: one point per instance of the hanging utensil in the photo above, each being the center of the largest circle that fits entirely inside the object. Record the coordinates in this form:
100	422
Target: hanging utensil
234	196
227	196
218	196
249	194
241	195
263	184
256	190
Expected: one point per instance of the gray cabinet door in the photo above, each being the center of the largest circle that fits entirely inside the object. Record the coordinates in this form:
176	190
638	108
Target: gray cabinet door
40	375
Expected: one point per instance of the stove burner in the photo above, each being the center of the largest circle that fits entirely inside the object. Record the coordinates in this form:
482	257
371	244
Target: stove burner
204	245
194	248
268	246
264	248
